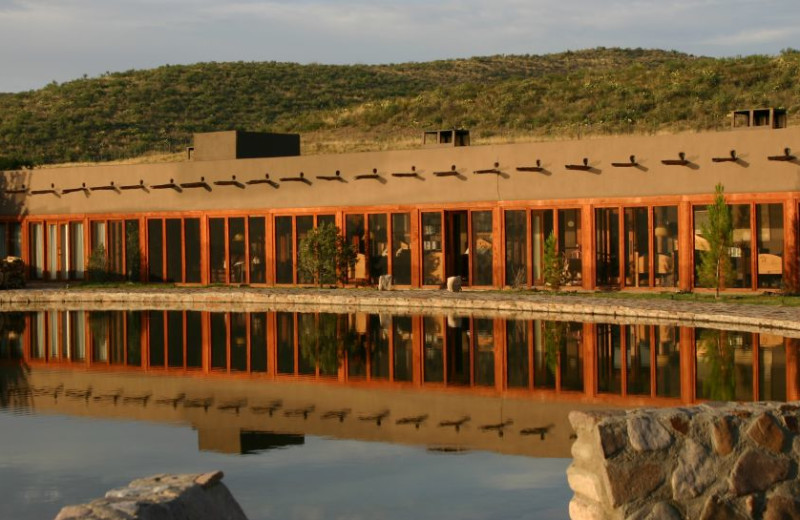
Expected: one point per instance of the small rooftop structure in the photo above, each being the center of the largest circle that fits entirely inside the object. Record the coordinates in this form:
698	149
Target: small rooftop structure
236	144
759	117
445	138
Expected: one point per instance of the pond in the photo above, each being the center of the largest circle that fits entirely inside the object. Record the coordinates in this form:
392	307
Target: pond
352	415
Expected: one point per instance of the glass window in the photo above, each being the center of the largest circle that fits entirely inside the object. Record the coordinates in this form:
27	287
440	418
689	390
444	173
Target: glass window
257	232
378	247
609	358
668	361
237	250
52	251
258	342
665	246
740	249
607	236
175	338
432	260
484	351
549	340
155	250
77	324
174	250
115	249
134	338
3	240
354	225
638	360
98	235
156	338
569	243
772	368
15	233
304	223
482	264
742	245
541	228
64	256
433	345
285	334
284	263
38	335
216	250
458	353
403	348
329	220
724	365
401	248
516	232
637	248
132	249
194	339
37	250
517	362
238	341
379	348
769	222
219	340
76	259
191	230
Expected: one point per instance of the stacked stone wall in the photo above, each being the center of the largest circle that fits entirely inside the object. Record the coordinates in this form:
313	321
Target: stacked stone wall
712	461
162	497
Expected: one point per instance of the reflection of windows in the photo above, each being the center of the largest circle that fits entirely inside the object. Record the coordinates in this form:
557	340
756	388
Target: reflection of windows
482	264
401	248
432	261
516	228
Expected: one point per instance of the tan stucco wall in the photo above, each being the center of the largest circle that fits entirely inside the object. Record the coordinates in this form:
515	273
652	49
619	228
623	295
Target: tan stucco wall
753	174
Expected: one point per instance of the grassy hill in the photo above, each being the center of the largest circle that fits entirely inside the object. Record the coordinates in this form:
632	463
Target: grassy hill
592	92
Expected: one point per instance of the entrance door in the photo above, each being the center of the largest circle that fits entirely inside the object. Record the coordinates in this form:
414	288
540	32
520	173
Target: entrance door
457	245
607	267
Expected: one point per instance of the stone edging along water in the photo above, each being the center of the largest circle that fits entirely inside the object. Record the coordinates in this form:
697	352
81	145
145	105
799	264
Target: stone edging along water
511	304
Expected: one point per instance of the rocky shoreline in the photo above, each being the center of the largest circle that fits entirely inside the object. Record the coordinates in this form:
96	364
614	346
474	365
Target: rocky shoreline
771	318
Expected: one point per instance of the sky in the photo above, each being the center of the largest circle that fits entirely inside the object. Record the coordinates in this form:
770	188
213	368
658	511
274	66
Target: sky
42	41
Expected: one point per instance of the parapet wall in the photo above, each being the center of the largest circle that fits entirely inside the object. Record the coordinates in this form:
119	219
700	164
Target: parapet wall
716	460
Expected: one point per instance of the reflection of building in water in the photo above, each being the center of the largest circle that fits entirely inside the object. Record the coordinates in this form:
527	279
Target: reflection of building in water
525	357
627	211
226	439
449	380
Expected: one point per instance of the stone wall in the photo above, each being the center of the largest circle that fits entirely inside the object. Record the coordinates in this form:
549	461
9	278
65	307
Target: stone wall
162	497
712	461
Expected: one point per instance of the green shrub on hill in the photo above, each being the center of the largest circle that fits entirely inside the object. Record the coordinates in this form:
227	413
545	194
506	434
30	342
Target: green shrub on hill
592	92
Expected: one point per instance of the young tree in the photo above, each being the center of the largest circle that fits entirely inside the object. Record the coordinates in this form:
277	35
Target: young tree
324	255
716	269
553	268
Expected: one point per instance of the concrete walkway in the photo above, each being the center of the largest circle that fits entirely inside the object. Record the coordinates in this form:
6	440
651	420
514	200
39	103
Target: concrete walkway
510	304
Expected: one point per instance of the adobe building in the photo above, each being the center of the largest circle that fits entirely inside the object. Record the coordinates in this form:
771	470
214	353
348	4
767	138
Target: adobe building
627	211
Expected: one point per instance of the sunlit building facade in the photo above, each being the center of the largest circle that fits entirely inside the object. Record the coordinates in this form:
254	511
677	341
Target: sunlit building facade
626	211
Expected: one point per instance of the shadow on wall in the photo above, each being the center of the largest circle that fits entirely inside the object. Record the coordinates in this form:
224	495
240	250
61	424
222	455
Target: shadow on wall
14	190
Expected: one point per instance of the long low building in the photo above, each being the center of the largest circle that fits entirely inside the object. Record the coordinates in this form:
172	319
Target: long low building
627	211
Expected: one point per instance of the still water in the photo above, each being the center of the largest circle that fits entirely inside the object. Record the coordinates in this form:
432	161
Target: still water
321	415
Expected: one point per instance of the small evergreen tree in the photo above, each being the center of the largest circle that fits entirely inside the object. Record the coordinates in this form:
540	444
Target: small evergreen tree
716	268
553	268
325	256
